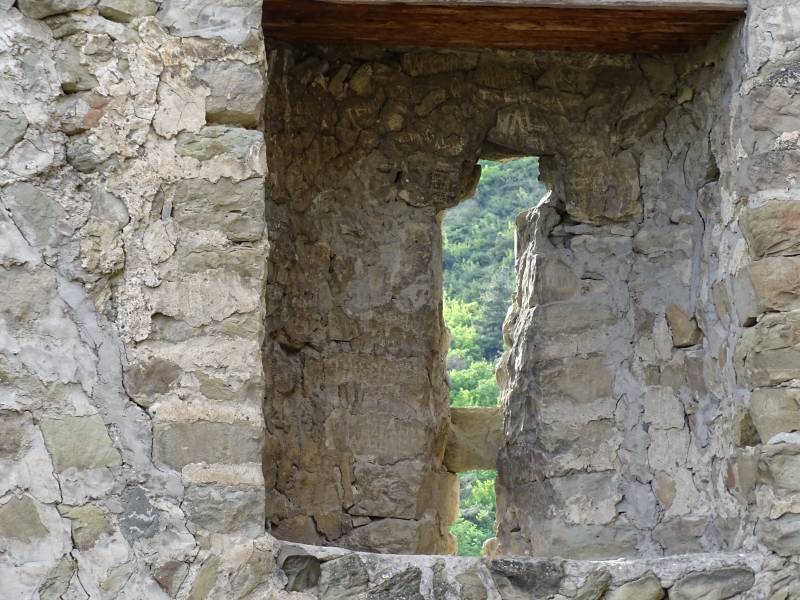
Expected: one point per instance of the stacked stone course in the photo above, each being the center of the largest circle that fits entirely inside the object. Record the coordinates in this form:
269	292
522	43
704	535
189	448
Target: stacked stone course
182	296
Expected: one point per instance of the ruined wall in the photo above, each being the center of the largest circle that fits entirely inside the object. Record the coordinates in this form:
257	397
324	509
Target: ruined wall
132	269
357	404
618	417
371	141
144	317
652	353
627	431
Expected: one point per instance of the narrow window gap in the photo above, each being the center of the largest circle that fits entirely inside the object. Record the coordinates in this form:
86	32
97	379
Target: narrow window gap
478	280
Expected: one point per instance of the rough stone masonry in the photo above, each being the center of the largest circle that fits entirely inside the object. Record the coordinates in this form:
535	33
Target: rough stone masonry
220	313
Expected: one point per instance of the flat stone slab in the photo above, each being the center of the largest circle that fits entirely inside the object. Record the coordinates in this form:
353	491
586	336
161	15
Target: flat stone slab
508	577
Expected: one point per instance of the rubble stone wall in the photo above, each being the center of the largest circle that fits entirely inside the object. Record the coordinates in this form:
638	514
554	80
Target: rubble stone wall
620	402
132	276
181	296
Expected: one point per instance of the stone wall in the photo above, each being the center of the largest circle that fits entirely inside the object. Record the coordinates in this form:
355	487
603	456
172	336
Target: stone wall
619	416
357	403
132	260
608	385
162	327
652	359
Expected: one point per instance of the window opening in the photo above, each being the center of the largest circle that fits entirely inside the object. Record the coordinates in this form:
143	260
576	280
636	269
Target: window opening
479	277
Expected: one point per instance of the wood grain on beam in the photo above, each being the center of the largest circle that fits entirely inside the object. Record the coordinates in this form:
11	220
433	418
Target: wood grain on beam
455	24
658	5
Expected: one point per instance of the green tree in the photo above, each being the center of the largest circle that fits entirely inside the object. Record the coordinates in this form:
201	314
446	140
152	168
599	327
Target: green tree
475	523
494	304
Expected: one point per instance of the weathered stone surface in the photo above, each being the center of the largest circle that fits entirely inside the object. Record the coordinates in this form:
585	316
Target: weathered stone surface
181	103
35	212
518	578
773	228
365	146
471	586
139	518
237	92
13	125
685	332
79	443
604	189
645	588
13	438
226	509
302	570
235	21
768	285
38	9
681	535
58	580
343	578
89	523
551	279
299	528
779	465
171	575
422	64
580	379
398	536
125	11
663	409
770	352
217	140
395	489
474	440
781	535
179	444
775	410
722	583
235	209
75	77
143	381
595	585
206	579
403	586
20	520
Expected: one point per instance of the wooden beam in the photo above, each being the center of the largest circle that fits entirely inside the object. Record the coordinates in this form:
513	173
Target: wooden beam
567	25
658	5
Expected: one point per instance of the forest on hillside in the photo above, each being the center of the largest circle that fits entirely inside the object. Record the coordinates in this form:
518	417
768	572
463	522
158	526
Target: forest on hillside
478	282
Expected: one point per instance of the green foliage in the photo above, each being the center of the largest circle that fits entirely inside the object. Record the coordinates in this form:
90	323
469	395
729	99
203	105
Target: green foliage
479	245
478	281
460	318
475	523
474	385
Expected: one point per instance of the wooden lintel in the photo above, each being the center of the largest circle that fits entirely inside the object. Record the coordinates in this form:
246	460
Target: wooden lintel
609	26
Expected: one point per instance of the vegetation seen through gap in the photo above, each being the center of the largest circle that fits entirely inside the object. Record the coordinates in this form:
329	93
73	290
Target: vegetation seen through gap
478	282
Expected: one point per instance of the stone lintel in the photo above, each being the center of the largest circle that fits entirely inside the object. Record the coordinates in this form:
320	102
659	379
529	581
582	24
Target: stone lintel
475	438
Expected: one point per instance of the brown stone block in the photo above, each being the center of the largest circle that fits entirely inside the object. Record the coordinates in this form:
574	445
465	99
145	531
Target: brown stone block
768	285
685	332
779	466
79	442
476	435
769	353
180	444
772	229
775	410
604	189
